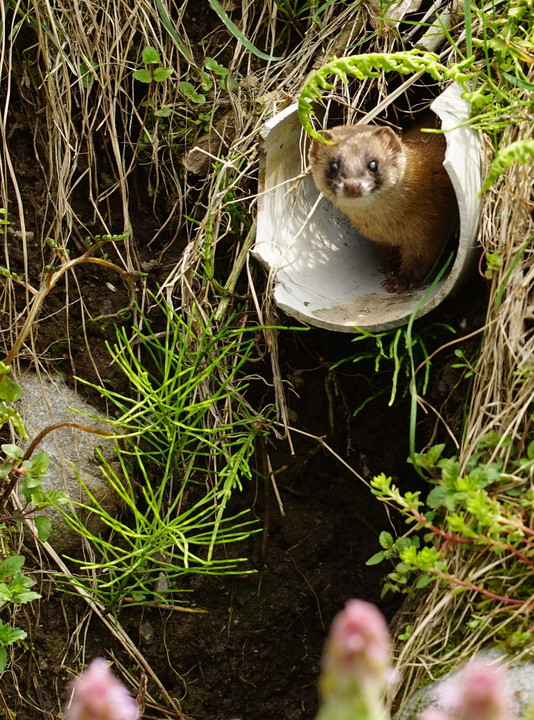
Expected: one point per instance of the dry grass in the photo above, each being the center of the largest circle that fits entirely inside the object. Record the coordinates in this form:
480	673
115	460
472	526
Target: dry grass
501	402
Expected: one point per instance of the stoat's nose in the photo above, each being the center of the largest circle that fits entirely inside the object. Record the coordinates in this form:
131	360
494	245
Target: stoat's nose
352	187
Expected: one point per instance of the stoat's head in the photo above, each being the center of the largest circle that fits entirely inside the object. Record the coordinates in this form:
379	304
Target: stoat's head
365	161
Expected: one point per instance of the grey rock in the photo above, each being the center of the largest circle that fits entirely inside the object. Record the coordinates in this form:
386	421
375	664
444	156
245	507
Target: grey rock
520	680
46	402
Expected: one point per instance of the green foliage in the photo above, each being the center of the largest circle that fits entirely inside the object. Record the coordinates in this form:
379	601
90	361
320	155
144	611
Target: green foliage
154	72
10	392
465	364
87	74
521	151
298	12
216	73
178	468
494	263
479	509
15	589
225	79
191	94
371	65
28	474
395	349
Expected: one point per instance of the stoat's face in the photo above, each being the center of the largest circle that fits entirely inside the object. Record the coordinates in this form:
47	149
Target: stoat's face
365	163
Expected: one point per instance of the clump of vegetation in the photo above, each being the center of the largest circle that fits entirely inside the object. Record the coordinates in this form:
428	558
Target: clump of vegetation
23	472
177	472
484	506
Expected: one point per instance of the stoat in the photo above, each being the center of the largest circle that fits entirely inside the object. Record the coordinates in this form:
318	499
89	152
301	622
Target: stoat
395	191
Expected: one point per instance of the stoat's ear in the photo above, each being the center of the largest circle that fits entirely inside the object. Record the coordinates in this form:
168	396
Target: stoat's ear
317	146
389	138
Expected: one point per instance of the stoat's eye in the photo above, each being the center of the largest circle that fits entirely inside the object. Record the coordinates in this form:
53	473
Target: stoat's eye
333	167
373	166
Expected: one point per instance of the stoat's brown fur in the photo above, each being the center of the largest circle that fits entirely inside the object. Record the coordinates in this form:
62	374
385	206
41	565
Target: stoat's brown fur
396	192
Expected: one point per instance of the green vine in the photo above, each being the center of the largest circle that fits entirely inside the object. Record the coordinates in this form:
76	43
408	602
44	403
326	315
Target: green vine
521	151
370	66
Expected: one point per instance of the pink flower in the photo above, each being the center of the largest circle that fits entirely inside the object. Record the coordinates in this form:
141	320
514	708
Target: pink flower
479	692
356	665
433	713
359	642
98	695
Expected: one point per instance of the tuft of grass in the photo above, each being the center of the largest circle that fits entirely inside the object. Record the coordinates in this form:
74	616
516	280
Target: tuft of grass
178	468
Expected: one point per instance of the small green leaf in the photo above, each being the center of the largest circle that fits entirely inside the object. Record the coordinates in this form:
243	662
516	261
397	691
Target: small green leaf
10	635
162	112
12	451
9	391
386	540
436	497
44	527
228	83
215	67
162	73
205	82
5	469
3	658
11	565
87	73
450	470
143	75
55	497
376	558
423	581
150	56
40	463
191	94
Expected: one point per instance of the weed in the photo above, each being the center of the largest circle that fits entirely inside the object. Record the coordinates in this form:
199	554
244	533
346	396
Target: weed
154	71
18	469
213	72
494	263
482	508
465	364
15	589
177	510
396	348
370	65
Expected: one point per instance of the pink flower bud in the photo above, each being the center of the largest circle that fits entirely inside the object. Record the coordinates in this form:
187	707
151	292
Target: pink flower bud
356	665
359	642
98	695
479	692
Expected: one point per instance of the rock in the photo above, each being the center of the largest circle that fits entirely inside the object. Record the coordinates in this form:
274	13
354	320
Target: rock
199	157
520	680
46	402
